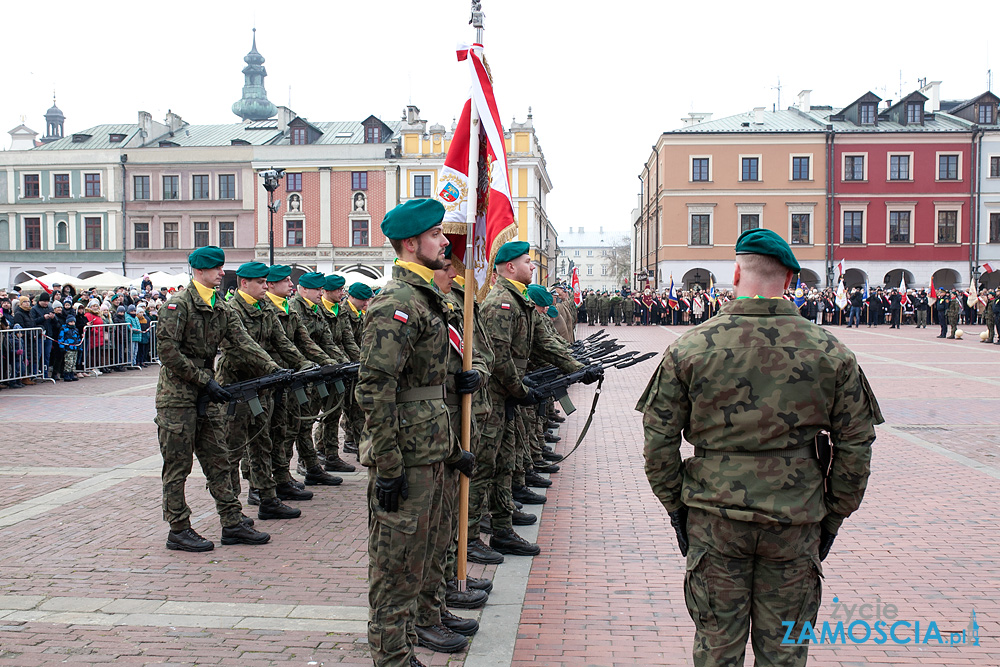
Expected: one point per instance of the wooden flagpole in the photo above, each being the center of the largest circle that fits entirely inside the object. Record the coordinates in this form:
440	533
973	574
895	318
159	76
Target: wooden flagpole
472	204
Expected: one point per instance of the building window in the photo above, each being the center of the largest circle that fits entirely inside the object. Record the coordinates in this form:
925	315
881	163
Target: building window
854	168
604	269
200	234
749	170
995	166
32	189
359	232
92	233
227	234
699	169
422	186
91	185
947	167
800	168
986	114
749	221
32	233
899	226
359	180
947	227
227	186
294	235
293	182
866	114
800	228
62	232
590	253
170	235
299	137
914	112
700	228
899	167
372	135
604	252
853	221
576	253
590	269
199	187
61	183
171	188
994	227
140	232
140	187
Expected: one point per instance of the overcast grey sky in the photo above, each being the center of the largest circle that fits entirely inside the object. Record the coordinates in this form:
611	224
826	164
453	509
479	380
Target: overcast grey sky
603	79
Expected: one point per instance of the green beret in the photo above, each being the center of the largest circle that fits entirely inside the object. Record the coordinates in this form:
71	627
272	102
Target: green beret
252	270
447	251
539	295
333	283
511	250
412	218
553	313
312	280
360	291
766	242
278	272
209	257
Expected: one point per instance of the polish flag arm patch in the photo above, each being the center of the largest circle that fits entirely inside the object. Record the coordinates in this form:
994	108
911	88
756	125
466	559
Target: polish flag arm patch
505	306
171	306
401	316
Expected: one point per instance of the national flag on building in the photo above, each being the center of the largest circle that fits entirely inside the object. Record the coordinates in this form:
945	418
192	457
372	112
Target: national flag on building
840	268
988	268
494	212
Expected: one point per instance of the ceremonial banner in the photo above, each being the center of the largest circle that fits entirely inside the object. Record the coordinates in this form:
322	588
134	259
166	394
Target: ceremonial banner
671	297
841	299
577	294
902	291
970	300
494	213
932	297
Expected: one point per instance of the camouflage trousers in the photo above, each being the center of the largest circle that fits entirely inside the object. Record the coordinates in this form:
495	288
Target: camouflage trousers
442	555
327	436
400	551
490	489
281	443
300	428
354	417
183	435
990	329
249	441
744	579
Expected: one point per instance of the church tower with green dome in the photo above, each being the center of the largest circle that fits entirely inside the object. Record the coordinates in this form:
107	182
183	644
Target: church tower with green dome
254	104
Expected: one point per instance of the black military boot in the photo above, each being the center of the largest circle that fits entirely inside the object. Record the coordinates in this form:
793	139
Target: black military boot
547	468
350	447
551	456
337	464
416	663
532	478
552	438
319	477
509	542
247	520
479	552
486	525
472	582
288	491
519	518
296	483
527	496
272	508
470	598
243	534
188	540
463	626
253	497
440	638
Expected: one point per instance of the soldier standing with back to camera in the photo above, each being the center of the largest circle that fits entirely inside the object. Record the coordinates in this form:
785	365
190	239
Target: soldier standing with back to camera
189	331
358	297
753	390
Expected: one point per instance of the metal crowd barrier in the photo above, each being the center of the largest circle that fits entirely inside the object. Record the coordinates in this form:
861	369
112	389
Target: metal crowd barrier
106	346
22	355
154	355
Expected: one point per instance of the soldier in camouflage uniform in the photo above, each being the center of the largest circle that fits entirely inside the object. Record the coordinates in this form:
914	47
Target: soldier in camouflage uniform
591	303
249	436
407	444
338	319
190	329
604	307
307	304
954	310
358	297
989	316
751	389
628	308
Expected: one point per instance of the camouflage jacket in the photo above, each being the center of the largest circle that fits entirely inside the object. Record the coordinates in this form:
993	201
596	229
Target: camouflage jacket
295	331
262	325
566	321
341	330
517	334
405	347
357	325
314	321
482	358
954	309
757	377
188	335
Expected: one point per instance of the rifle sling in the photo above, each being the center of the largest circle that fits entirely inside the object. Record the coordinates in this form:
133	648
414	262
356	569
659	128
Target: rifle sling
586	425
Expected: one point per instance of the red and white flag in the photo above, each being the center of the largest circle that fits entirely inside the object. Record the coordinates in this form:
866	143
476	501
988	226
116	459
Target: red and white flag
840	268
932	295
577	294
902	290
494	212
988	268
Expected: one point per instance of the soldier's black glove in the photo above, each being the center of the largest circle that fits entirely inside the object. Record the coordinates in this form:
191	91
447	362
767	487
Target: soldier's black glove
592	374
217	393
465	464
679	521
467	382
826	539
531	398
389	490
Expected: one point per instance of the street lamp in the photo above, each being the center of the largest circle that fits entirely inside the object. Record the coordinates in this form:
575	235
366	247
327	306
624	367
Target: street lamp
272	179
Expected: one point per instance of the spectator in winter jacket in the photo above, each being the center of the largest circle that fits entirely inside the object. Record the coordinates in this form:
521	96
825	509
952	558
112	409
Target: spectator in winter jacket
135	328
69	344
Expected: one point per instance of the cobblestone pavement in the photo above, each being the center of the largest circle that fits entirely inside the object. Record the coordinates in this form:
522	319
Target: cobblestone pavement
85	577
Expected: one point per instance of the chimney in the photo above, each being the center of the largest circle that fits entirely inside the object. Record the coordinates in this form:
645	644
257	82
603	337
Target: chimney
804	102
145	124
285	116
412	114
173	121
933	92
758	115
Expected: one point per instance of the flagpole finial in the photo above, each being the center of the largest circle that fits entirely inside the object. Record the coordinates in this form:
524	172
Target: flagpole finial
477	19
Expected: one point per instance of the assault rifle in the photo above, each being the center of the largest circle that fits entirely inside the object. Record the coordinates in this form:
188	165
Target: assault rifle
322	377
248	391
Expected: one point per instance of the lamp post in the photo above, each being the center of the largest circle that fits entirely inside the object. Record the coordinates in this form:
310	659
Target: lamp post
272	179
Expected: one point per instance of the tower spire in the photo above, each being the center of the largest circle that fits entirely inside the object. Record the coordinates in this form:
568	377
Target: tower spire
254	104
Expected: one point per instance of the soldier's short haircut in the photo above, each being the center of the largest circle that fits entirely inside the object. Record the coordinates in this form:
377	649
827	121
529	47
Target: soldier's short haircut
763	266
397	245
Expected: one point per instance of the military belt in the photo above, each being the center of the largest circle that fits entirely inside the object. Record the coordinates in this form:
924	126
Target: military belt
431	393
805	452
453	400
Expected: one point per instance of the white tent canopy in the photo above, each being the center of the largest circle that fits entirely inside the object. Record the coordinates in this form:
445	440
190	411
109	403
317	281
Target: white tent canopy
106	280
50	279
163	279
